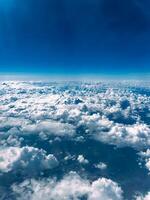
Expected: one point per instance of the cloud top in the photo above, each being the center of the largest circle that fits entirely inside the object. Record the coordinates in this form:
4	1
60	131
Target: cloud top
72	186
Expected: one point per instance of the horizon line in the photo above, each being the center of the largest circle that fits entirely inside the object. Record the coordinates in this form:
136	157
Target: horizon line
73	77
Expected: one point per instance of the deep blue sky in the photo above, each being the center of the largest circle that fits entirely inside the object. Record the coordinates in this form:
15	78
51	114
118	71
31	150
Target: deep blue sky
75	36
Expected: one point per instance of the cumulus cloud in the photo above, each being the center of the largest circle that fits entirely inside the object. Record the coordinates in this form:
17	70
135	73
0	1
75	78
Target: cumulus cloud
29	159
36	114
51	128
101	166
70	187
115	114
137	135
146	156
82	160
146	197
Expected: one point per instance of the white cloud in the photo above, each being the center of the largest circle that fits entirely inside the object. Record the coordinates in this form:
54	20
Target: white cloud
146	156
136	135
148	164
101	166
30	160
50	127
146	197
70	187
32	112
82	160
115	116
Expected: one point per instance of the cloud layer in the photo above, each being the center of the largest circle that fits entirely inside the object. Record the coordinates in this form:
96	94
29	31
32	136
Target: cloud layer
115	116
44	128
70	187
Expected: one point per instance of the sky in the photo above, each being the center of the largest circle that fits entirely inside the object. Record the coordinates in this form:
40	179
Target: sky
108	37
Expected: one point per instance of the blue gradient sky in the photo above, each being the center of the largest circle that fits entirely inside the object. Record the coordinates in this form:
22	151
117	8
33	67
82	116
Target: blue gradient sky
75	37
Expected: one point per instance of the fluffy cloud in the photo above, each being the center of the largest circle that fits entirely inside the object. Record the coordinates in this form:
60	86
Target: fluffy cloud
137	135
50	128
146	197
146	156
36	114
70	187
117	116
28	159
82	160
101	166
